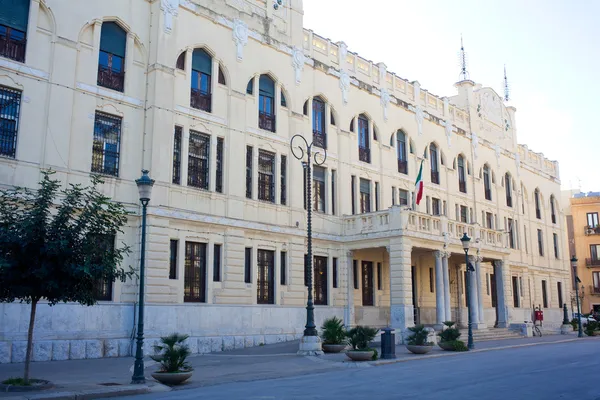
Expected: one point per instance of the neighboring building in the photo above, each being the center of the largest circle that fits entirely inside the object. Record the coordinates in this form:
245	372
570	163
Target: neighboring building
584	240
207	95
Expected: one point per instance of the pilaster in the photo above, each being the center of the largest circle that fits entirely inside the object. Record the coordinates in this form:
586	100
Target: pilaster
447	298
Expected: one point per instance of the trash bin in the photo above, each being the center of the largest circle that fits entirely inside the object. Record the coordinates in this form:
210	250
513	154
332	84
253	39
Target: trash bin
388	343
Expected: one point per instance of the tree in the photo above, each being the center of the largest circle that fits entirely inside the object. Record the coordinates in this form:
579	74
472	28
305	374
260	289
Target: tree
55	245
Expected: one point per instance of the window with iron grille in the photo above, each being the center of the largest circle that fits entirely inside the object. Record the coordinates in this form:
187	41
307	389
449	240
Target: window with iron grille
174	243
248	172
333	178
319	134
538	211
355	273
265	282
283	173
13	42
462	180
365	196
266	106
177	155
217	263
10	105
487	183
544	294
463	214
266	176
111	61
200	95
104	287
401	151
403	197
334	272
379	276
353	195
283	268
319	189
248	265
320	279
376	196
198	160
364	150
540	241
106	145
219	177
194	284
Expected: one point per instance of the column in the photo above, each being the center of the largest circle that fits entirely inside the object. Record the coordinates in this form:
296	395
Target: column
440	307
473	299
479	296
500	295
446	272
401	302
349	309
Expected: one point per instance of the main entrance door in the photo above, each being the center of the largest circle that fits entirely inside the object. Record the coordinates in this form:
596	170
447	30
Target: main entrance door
367	283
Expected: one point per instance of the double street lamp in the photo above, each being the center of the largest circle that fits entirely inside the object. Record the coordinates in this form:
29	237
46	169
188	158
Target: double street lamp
466	243
577	282
144	185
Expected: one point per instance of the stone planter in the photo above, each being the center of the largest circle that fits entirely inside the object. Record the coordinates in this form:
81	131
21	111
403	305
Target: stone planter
596	333
172	378
356	355
415	349
446	346
333	348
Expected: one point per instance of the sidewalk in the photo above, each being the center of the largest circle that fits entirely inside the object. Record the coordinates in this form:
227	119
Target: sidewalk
110	377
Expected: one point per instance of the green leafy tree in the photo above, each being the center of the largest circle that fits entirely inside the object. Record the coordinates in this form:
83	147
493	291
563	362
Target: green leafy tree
53	245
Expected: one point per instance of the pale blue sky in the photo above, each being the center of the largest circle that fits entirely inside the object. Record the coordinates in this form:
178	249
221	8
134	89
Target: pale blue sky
551	49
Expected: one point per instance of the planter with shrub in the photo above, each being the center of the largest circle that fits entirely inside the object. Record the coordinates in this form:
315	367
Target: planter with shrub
449	337
333	335
359	338
592	328
417	342
172	353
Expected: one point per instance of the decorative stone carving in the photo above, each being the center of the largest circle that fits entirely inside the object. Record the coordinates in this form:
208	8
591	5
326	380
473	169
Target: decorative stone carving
240	37
438	254
419	117
385	100
298	59
382	73
446	239
448	130
474	143
342	54
417	87
446	106
344	85
170	9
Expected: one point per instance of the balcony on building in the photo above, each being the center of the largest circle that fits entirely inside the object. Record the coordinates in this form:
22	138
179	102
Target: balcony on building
462	186
591	230
595	290
509	201
111	79
435	177
266	121
319	139
403	167
364	154
200	100
592	262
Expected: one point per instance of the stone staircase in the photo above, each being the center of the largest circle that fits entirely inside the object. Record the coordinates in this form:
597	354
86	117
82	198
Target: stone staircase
490	334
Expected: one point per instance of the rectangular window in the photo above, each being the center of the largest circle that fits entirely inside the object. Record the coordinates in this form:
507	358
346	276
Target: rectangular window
319	135
217	263
266	176
10	105
555	241
333	178
431	281
13	39
106	147
515	290
464	214
544	295
248	265
427	209
594	255
364	151
511	233
403	197
320	280
177	155
365	196
525	236
367	284
283	268
379	277
376	196
200	96
283	173
596	282
219	177
265	282
489	220
173	259
248	172
111	73
435	206
560	295
592	220
318	189
194	286
355	273
335	272
104	287
352	193
198	160
540	242
393	196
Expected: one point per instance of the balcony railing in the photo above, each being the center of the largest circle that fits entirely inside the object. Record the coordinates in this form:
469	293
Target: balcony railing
462	186
266	121
538	213
200	100
590	230
435	177
320	139
553	218
402	167
11	47
594	290
364	154
111	79
488	194
592	262
509	201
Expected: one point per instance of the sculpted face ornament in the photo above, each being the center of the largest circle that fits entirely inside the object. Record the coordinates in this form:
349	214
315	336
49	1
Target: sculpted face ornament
240	37
344	85
298	59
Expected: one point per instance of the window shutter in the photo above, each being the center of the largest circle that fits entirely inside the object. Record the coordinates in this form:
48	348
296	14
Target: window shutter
14	13
113	39
202	61
266	86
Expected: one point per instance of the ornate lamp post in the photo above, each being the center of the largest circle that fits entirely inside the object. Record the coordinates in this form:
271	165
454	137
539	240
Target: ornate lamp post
577	282
144	185
310	344
466	243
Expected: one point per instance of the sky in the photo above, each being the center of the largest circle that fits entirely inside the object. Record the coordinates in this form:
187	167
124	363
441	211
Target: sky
551	49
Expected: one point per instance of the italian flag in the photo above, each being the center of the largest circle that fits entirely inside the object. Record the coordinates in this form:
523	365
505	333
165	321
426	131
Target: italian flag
419	185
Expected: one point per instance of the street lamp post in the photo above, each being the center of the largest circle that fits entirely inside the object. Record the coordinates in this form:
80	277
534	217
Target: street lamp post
466	243
577	281
144	185
310	344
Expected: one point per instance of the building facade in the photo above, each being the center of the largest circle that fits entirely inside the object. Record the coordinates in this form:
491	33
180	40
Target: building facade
186	89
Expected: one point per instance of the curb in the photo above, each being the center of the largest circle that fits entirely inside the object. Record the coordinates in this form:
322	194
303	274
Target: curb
125	390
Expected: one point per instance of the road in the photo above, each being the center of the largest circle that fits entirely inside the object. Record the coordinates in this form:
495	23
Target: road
549	371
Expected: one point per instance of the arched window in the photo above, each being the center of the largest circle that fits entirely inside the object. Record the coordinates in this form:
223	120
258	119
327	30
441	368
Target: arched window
401	150
266	103
538	211
201	80
283	100
433	161
222	80
250	87
552	209
180	64
14	16
487	183
462	179
318	123
364	146
111	61
508	188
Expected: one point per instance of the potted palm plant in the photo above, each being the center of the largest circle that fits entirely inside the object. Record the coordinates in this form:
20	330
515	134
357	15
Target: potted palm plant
359	338
448	336
172	353
333	335
417	341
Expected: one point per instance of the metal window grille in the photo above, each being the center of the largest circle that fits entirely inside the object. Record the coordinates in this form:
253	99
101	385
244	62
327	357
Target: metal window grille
194	287
319	134
249	172
367	283
320	279
282	268
200	96
219	172
319	189
248	265
107	144
177	155
266	176
173	259
265	283
217	263
283	169
198	160
379	276
334	272
104	287
110	71
10	105
12	43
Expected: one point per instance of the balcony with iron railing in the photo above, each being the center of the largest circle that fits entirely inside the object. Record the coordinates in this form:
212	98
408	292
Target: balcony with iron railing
592	262
591	230
320	139
595	290
488	194
364	154
111	79
462	186
403	166
200	100
435	177
12	44
509	201
266	121
538	213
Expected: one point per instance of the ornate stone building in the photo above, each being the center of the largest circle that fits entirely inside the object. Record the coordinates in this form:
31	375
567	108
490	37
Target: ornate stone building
187	89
